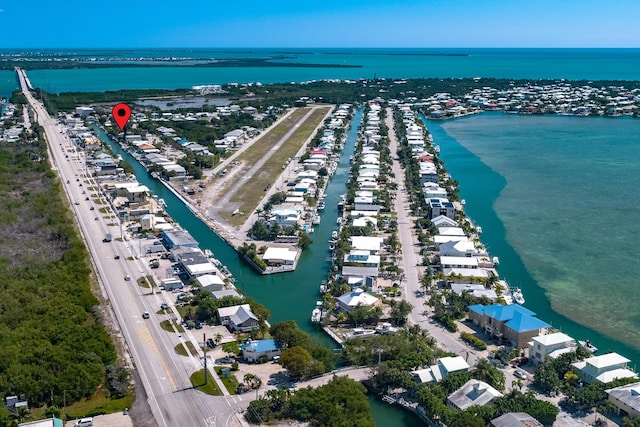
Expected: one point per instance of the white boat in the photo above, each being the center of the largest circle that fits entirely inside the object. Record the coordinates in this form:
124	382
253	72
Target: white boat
495	260
517	296
315	220
316	315
321	205
208	253
334	235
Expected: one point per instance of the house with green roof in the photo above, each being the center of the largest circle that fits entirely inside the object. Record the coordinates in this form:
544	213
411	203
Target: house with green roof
510	322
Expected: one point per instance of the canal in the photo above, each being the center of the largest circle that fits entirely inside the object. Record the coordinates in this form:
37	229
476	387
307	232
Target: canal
289	296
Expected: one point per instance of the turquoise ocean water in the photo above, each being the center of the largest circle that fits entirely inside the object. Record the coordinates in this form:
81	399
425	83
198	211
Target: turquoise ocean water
557	199
574	64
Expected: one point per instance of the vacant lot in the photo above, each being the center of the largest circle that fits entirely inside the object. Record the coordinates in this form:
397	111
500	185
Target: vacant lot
250	195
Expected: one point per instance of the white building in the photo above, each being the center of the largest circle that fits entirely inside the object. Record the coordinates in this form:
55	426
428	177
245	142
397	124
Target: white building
550	345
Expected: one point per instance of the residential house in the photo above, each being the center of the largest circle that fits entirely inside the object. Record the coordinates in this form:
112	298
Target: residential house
603	369
274	256
238	318
476	289
438	206
627	399
550	345
210	282
444	367
367	243
515	419
355	298
472	393
253	350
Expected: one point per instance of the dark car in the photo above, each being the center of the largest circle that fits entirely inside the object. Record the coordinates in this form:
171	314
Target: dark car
164	306
211	343
116	257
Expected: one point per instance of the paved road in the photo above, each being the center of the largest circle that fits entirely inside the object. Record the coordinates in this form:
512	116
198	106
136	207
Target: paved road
411	260
165	375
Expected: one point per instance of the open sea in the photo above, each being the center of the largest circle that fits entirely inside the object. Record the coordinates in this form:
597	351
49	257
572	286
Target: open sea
557	197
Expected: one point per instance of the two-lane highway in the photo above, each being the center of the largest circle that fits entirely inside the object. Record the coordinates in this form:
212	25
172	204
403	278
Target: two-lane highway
165	374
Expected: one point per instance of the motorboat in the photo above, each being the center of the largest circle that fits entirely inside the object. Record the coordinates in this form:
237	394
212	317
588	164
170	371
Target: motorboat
517	296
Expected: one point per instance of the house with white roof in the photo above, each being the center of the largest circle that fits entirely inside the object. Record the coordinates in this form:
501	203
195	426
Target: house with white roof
362	258
210	282
472	393
367	243
476	289
275	256
626	398
550	345
603	369
284	217
444	367
355	298
463	248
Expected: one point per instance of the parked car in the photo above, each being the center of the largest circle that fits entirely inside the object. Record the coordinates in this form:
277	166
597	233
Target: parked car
164	306
225	360
211	343
145	315
520	374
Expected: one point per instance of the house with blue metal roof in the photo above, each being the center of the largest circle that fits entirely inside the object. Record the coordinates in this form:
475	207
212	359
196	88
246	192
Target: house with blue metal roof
511	322
252	350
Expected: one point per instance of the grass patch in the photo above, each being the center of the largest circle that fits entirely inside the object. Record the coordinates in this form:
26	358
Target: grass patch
98	404
230	382
181	350
231	347
168	325
197	380
250	196
103	210
142	282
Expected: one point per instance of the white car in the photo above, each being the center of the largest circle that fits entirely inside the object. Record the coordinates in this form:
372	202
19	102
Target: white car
145	315
519	374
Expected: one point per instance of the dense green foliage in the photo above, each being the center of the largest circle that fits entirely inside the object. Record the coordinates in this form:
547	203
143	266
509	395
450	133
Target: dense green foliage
301	356
342	402
51	339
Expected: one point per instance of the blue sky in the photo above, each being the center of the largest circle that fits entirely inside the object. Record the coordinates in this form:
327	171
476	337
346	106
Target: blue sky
325	23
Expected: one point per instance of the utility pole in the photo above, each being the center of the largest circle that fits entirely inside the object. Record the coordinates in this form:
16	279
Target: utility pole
204	340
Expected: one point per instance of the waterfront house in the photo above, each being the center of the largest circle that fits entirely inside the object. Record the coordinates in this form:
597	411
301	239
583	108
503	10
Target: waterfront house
627	399
603	369
253	350
439	206
462	248
515	419
179	238
361	258
225	293
275	256
512	322
355	298
458	262
472	393
550	345
238	318
284	217
476	289
444	367
367	243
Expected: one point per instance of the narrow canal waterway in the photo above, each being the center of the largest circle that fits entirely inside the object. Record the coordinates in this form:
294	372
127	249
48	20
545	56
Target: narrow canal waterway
289	296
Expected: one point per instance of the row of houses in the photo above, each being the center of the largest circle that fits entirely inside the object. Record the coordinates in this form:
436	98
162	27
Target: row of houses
557	98
11	133
360	266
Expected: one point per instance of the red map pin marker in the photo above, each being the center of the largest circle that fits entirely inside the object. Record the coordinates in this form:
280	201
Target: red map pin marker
121	113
